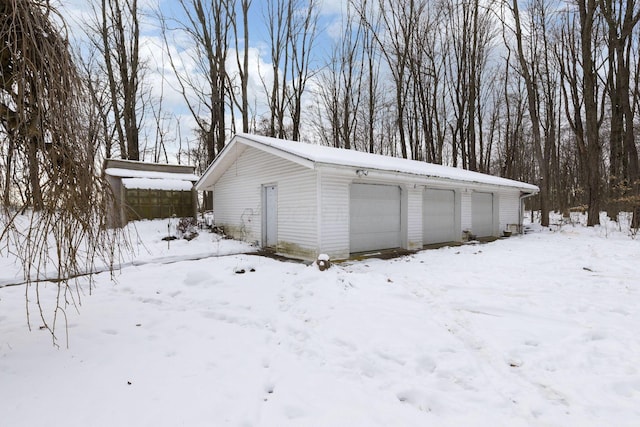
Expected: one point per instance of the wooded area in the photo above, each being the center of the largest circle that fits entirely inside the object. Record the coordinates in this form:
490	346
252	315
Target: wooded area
541	91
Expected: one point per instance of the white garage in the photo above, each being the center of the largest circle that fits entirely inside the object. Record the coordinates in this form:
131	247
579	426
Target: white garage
482	214
440	222
301	200
375	220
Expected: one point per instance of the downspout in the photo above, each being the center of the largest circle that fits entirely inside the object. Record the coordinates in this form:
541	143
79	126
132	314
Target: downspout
523	196
319	204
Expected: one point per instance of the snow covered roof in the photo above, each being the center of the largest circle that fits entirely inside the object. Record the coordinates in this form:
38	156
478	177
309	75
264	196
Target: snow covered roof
315	155
157	184
130	173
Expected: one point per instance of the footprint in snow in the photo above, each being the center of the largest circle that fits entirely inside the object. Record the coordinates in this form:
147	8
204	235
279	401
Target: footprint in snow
194	278
594	336
414	398
265	363
425	364
269	387
153	301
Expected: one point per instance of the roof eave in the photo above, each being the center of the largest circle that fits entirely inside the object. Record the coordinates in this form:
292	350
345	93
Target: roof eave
287	155
230	153
425	179
211	175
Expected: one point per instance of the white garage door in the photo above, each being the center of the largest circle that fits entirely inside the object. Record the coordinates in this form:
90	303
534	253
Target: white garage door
482	214
438	210
375	217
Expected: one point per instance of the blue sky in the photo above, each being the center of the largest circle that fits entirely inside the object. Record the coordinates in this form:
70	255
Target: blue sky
159	75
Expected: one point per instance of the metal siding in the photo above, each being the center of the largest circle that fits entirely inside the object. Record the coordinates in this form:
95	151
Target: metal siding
238	200
509	210
439	216
375	217
482	214
271	215
335	216
297	212
465	210
414	219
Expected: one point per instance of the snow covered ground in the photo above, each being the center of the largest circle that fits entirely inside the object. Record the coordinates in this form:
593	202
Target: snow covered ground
541	329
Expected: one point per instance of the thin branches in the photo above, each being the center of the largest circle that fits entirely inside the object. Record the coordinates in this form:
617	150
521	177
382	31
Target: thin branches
59	229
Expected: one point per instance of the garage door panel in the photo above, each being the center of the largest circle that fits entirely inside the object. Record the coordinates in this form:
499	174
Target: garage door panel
482	214
438	216
376	224
375	217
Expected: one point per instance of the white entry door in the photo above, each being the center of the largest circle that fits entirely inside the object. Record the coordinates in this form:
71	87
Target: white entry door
375	217
438	216
270	234
482	214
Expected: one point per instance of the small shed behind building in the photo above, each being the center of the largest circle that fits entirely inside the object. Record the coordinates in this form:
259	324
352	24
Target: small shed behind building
150	190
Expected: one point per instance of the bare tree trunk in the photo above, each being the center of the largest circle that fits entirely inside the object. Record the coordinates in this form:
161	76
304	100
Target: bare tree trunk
527	71
372	73
472	84
206	25
621	21
119	33
470	29
582	94
393	26
302	36
587	9
243	66
340	90
278	21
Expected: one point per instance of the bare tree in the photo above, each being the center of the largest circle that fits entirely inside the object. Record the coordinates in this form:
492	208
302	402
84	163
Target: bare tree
621	19
514	108
200	68
47	116
292	29
243	66
276	15
399	22
581	39
99	92
470	30
534	68
115	36
302	37
373	93
204	82
427	87
340	87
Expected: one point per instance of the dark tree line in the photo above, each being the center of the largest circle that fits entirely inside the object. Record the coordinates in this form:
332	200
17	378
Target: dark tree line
539	91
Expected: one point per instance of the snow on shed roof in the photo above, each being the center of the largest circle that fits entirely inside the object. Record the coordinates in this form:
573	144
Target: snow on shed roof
157	184
319	154
130	173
